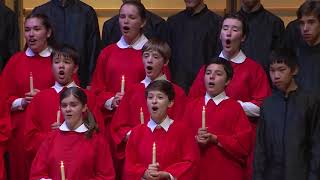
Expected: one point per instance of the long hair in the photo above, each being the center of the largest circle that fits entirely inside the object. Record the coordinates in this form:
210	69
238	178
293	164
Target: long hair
88	120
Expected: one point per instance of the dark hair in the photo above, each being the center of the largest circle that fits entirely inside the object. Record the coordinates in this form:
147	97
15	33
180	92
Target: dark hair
160	46
139	6
285	56
89	120
46	23
67	52
309	8
239	17
225	63
163	86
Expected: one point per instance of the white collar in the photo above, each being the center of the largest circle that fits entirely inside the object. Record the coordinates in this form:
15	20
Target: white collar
147	80
238	59
58	87
165	124
45	53
80	129
217	99
136	45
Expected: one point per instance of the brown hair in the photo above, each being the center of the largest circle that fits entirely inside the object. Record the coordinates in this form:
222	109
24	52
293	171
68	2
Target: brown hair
163	86
67	52
160	46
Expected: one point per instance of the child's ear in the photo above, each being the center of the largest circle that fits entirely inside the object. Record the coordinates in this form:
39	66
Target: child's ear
75	70
166	62
170	104
295	70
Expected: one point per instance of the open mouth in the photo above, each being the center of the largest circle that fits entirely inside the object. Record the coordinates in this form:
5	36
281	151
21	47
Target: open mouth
149	68
61	73
211	84
32	41
154	108
126	28
228	41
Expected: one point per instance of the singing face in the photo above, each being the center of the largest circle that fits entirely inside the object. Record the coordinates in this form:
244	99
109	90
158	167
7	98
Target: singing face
153	64
215	79
310	29
63	69
231	35
158	103
281	75
72	110
130	22
36	34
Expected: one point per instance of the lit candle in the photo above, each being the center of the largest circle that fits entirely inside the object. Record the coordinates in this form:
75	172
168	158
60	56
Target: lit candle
154	153
122	84
203	117
63	176
58	116
31	83
141	116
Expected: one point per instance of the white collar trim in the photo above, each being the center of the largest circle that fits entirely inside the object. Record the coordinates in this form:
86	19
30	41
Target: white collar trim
45	53
147	80
165	124
217	99
136	45
58	87
80	129
238	59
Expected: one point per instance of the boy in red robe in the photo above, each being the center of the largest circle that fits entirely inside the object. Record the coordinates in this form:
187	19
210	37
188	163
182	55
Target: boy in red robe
156	54
222	129
43	111
76	142
175	153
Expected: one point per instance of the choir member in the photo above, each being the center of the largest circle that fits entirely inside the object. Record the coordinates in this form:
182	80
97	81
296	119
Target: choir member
77	143
23	77
76	24
132	110
155	27
288	146
120	65
193	35
162	148
249	85
222	129
9	34
266	31
43	112
308	53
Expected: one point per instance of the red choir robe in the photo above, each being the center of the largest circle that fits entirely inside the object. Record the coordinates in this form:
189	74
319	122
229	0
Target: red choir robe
127	115
230	124
176	150
15	77
84	158
42	112
249	84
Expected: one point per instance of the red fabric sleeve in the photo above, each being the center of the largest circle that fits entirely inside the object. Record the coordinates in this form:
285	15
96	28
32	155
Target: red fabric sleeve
261	89
198	88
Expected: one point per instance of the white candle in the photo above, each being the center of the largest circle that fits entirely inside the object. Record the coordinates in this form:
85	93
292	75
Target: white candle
154	153
31	83
63	176
122	84
141	116
203	117
58	116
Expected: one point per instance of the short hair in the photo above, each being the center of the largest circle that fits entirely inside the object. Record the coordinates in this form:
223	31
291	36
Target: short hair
225	63
160	46
239	17
67	52
139	6
309	8
163	86
285	56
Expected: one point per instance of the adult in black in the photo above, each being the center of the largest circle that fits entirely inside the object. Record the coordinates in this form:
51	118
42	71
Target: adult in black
155	27
288	135
9	34
193	35
76	24
308	52
265	31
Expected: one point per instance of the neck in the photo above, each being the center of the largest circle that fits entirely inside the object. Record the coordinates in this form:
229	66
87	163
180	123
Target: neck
231	54
131	41
198	8
292	87
159	120
74	126
155	78
64	84
251	9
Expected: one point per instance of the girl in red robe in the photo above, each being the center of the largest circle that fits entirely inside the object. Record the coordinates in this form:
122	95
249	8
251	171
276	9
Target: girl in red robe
35	60
175	153
224	137
77	143
42	112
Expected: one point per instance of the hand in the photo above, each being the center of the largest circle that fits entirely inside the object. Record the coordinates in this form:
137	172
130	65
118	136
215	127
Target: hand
29	96
204	137
160	175
55	125
117	98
